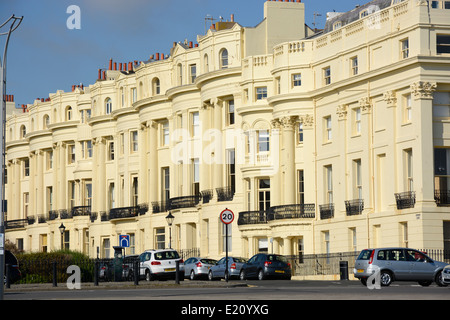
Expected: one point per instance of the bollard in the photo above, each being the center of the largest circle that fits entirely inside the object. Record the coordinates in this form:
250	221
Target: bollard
55	284
343	270
177	272
96	271
8	276
136	273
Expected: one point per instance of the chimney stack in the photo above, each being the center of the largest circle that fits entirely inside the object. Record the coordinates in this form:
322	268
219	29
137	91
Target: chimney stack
110	64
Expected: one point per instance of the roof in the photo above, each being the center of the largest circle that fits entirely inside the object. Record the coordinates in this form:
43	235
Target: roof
353	15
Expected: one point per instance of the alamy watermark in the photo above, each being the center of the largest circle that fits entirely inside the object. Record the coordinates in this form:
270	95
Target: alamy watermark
74	20
74	281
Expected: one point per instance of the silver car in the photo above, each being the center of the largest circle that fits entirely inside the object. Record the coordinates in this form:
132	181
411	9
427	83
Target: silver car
398	264
197	267
446	275
234	268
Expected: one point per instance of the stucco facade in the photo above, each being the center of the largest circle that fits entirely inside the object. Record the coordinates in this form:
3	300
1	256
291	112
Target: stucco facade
319	142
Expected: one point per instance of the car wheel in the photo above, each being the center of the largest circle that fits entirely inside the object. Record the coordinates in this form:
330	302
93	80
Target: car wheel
192	275
261	275
210	276
425	283
386	278
148	275
439	281
363	281
242	275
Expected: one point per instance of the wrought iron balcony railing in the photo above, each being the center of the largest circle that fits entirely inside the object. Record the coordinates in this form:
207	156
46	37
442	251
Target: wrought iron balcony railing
442	198
292	211
252	217
326	211
128	212
405	200
175	203
16	224
354	207
207	195
225	194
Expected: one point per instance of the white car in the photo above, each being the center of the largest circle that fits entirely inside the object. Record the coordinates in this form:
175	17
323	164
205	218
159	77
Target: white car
160	264
446	275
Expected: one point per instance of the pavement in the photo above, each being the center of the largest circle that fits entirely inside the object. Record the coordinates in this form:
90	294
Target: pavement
126	285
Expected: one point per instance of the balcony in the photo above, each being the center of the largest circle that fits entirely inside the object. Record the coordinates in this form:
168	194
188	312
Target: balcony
442	198
326	211
354	207
225	194
81	211
252	217
207	195
16	224
176	203
184	202
293	211
128	212
405	200
160	206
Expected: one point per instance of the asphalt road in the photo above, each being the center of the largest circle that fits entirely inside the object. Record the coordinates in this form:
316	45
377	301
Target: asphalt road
269	290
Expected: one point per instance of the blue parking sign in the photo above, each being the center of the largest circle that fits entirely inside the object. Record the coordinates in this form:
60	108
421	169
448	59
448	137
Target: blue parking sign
124	241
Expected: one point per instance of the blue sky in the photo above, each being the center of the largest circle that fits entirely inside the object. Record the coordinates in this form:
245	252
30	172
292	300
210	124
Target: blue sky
45	56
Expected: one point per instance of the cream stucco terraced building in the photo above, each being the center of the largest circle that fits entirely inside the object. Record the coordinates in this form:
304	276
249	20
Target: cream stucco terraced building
328	141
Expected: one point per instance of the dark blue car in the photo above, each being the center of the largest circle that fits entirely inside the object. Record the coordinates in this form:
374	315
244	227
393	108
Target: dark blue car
262	266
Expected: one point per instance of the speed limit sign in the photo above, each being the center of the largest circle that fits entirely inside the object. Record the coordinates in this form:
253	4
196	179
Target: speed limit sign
227	216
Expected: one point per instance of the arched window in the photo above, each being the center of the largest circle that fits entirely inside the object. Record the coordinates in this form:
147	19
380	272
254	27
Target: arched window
108	106
223	59
156	86
23	131
46	121
180	74
206	63
68	113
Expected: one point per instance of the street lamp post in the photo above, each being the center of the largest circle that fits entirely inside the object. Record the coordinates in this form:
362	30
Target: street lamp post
62	229
14	24
169	220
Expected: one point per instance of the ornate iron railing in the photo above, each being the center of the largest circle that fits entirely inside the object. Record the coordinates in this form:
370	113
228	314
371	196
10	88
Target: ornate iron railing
292	211
326	211
252	217
442	198
354	207
405	200
225	194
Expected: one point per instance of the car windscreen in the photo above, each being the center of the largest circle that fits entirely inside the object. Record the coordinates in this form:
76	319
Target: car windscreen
365	255
208	261
240	260
166	255
272	257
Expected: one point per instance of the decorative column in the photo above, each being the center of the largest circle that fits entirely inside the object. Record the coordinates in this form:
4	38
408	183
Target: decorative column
422	120
276	197
288	159
309	156
142	151
153	161
218	156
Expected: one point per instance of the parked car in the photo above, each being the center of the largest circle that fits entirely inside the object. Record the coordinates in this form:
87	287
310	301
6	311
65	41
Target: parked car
128	267
197	267
398	264
446	275
263	266
234	268
160	264
14	272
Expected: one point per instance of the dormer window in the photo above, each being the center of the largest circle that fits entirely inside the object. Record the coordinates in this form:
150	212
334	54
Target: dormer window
337	25
363	14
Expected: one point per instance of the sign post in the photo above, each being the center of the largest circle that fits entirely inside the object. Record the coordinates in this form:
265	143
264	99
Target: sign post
227	217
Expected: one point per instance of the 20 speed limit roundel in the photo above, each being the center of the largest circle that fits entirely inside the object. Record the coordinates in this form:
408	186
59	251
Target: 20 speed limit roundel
227	216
